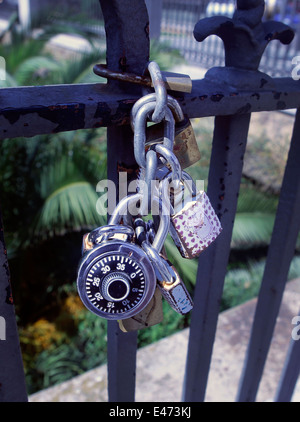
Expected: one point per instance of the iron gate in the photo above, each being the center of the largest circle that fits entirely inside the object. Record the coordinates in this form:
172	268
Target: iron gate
230	94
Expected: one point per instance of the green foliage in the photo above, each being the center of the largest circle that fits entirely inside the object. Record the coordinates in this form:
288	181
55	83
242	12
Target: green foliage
82	353
164	55
172	323
49	184
29	60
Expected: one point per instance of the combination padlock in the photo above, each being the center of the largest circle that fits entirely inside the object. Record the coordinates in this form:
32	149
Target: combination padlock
116	279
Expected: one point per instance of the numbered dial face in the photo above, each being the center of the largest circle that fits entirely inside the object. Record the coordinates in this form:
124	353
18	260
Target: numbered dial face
116	286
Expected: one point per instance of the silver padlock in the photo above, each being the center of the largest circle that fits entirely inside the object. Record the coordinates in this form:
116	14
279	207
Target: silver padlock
169	282
194	223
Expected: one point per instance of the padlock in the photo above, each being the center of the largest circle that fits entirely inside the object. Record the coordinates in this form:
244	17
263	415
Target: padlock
151	315
194	225
116	279
178	82
170	284
185	146
171	80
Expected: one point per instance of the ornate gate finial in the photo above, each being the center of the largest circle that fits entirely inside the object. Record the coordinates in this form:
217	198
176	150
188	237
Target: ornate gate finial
245	36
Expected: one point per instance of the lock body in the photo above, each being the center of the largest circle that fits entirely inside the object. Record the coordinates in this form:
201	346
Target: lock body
115	280
175	292
185	146
195	226
151	315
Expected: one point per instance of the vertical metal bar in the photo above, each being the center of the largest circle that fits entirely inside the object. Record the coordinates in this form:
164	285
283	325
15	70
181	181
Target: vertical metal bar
12	378
121	347
127	38
229	143
154	8
280	254
290	371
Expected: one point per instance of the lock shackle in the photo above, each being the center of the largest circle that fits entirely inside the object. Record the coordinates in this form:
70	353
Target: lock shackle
163	212
96	236
186	177
161	267
172	104
186	182
160	92
140	131
171	159
150	175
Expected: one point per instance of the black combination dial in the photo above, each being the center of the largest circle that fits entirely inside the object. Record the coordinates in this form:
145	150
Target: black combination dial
118	283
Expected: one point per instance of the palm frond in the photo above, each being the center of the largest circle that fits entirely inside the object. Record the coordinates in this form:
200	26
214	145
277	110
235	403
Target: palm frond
35	70
72	207
252	229
252	199
20	50
78	70
70	200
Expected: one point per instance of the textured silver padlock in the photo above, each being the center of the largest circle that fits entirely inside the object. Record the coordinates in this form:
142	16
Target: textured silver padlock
169	282
194	227
194	223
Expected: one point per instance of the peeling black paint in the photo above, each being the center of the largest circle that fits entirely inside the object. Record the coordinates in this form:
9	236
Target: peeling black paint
59	114
216	97
277	95
263	81
123	111
280	105
103	112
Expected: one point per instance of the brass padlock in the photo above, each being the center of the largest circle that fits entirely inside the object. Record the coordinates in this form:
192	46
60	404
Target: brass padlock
172	81
185	146
151	315
176	81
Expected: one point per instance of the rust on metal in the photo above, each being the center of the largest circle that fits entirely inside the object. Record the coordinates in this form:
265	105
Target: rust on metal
102	70
172	81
